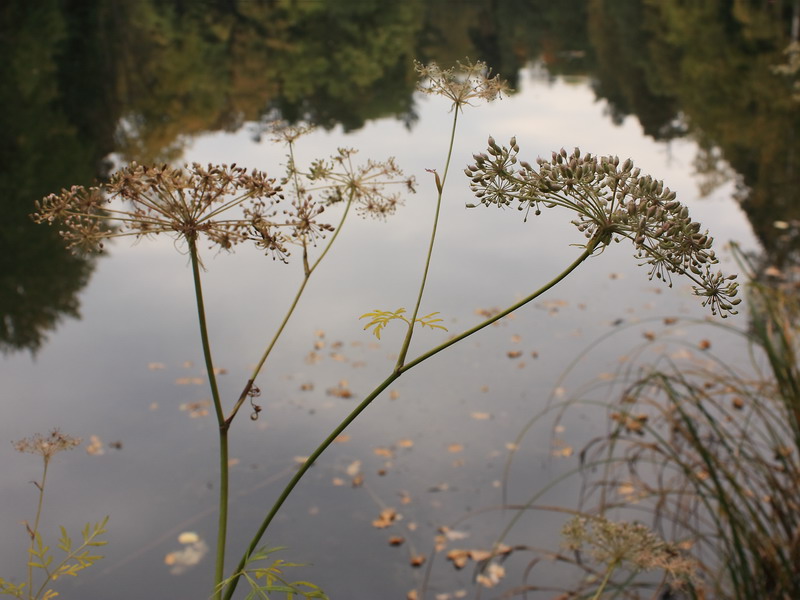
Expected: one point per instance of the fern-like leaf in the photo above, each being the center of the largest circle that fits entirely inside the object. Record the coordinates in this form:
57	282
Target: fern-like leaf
381	318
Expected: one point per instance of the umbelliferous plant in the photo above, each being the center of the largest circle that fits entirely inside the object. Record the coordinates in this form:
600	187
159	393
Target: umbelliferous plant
227	205
44	566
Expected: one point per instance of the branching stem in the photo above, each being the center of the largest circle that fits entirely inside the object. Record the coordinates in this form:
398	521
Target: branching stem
588	251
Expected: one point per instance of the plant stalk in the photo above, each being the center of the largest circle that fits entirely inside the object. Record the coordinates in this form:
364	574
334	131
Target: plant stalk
440	191
590	248
222	525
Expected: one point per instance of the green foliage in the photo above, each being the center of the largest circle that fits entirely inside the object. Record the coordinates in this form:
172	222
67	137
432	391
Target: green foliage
266	580
381	318
73	561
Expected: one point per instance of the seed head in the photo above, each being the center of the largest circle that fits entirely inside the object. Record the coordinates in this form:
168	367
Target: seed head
47	446
461	84
612	202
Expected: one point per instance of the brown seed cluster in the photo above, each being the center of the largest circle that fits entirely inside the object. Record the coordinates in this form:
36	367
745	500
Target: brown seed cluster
461	84
612	201
47	446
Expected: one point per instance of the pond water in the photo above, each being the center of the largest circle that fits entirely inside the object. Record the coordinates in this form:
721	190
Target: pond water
433	447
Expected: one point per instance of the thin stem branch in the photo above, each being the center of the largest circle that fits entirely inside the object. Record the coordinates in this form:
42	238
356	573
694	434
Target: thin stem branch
33	532
440	190
222	525
308	271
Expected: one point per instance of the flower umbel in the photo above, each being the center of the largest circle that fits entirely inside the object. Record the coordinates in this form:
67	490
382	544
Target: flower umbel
461	84
612	202
185	203
626	545
47	446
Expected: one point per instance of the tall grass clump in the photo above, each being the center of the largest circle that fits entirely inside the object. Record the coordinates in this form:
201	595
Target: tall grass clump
706	453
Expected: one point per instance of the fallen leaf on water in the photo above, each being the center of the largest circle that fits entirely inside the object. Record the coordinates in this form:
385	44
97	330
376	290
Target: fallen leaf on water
385	519
188	537
412	595
319	345
313	358
115	445
338	481
394	395
341	390
417	560
670	320
454	448
338	357
341	438
396	540
306	387
191	554
357	481
95	446
156	366
516	339
405	497
704	344
458	557
406	443
190	381
233	462
196	409
220	371
480	416
491	576
514	354
649	335
354	468
384	452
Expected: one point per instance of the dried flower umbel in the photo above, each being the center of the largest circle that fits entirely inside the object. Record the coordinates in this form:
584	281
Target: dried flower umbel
613	201
47	446
626	545
186	203
461	84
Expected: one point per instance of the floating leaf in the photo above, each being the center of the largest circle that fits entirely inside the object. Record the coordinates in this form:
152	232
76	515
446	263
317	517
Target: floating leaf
156	366
455	448
417	560
95	446
385	519
480	416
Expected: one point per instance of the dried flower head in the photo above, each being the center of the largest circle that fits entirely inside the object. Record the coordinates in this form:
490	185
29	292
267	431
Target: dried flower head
186	203
627	545
47	446
339	179
462	83
612	201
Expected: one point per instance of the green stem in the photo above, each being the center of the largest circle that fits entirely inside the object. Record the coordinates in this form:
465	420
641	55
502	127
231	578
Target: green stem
308	271
440	189
611	568
35	529
590	248
222	526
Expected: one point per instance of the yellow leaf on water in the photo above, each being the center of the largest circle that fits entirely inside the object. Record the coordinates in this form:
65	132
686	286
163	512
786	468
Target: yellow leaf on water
480	416
341	438
188	537
384	452
156	366
406	443
454	448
